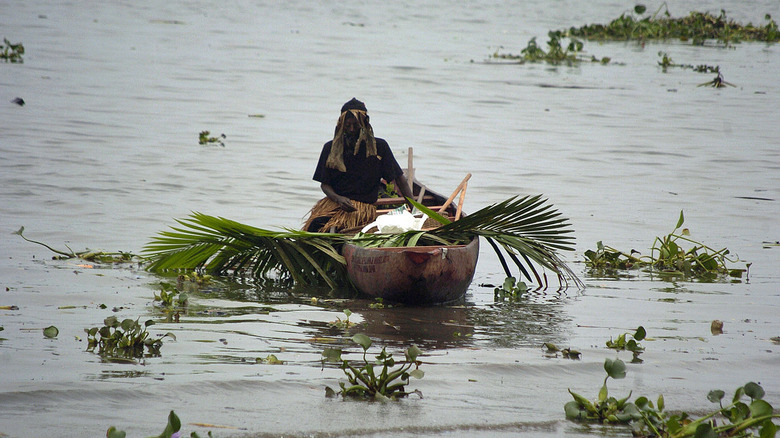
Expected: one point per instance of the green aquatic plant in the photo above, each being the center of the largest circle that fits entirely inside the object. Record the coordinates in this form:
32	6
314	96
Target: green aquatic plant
552	350
608	258
526	229
697	27
123	339
666	62
629	344
172	301
510	290
604	409
51	332
172	429
92	256
718	82
378	303
555	54
271	359
170	297
205	138
11	52
737	419
343	324
365	382
667	256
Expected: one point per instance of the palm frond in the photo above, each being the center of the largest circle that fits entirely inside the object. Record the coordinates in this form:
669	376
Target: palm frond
527	227
222	246
527	230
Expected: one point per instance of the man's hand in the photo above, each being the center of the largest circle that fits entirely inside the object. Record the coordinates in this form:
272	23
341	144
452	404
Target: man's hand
345	203
402	187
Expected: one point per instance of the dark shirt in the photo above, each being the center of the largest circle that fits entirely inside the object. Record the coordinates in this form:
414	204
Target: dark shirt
363	176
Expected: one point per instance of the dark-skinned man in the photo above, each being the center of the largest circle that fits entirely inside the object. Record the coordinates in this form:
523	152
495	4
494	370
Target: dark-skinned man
350	171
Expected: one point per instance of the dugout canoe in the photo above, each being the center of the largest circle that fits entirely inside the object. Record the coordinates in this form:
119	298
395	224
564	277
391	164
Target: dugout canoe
414	275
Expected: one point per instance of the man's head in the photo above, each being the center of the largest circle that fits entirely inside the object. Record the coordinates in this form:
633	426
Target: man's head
351	114
352	130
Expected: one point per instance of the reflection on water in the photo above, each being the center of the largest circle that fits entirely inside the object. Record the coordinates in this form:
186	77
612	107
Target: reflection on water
430	328
522	324
529	320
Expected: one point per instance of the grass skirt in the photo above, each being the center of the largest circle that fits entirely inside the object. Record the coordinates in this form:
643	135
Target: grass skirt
342	220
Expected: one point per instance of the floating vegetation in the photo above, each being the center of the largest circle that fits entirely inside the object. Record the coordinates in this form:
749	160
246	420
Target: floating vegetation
716	327
697	27
567	353
204	138
172	301
632	345
510	290
51	332
738	419
93	256
718	82
168	296
605	409
555	54
379	303
666	62
365	382
343	324
172	429
126	339
668	257
11	52
271	359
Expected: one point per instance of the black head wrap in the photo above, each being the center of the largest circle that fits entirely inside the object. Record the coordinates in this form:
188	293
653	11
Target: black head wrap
354	104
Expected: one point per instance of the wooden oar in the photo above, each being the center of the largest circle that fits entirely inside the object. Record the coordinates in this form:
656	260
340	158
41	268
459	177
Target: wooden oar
460	201
455	193
419	198
410	172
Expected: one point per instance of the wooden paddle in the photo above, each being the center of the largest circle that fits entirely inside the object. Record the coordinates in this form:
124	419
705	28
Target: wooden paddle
410	172
460	201
460	187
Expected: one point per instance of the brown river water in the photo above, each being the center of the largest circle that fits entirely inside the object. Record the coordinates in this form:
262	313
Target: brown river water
105	154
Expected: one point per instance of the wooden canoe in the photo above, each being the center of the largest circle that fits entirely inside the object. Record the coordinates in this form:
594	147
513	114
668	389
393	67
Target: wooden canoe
413	275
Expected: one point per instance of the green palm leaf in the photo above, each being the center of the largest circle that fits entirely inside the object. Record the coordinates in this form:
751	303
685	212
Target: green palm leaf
525	230
526	227
223	247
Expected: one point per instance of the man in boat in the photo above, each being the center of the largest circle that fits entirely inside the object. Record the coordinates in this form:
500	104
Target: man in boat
350	171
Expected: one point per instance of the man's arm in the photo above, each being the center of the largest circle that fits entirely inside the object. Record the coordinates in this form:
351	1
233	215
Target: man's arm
402	186
344	202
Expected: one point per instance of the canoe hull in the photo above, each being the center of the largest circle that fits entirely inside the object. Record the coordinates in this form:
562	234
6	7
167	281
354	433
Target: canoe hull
413	275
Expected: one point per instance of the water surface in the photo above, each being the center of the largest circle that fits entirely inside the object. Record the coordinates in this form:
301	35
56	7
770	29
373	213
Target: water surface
104	155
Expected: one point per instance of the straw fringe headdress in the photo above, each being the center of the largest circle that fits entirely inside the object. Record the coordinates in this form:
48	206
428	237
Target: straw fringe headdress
336	157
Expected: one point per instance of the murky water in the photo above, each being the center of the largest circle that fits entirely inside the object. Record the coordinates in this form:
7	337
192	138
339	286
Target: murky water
105	154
